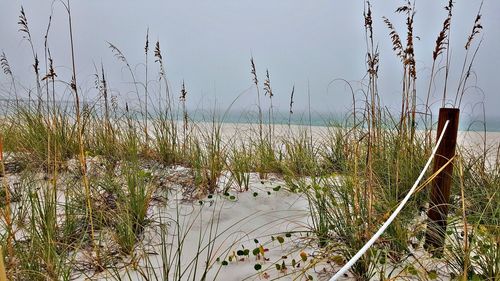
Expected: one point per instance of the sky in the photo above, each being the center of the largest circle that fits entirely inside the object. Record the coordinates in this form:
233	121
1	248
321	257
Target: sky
208	44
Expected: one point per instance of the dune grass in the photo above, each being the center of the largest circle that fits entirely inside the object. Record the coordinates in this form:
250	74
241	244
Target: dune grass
86	179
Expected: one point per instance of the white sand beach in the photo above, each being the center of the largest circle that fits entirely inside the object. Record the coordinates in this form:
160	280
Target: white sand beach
228	235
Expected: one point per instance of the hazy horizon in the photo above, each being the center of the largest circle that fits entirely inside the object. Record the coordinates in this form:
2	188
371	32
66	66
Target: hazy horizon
209	45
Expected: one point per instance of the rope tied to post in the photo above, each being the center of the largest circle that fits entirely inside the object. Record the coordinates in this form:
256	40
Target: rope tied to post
381	230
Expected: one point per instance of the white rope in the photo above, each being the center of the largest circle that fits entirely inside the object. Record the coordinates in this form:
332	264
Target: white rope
368	244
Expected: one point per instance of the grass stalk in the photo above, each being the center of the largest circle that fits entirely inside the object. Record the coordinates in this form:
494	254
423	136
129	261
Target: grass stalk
3	274
290	111
146	50
6	214
80	134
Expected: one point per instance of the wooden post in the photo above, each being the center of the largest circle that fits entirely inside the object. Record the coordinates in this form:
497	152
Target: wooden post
441	184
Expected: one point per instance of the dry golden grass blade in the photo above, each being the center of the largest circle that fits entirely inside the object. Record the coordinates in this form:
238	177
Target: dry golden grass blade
3	275
7	215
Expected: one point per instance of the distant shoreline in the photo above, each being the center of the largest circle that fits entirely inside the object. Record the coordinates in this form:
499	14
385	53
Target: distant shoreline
299	117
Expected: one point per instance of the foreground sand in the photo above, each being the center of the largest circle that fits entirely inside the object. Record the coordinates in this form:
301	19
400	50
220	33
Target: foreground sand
252	218
263	217
215	228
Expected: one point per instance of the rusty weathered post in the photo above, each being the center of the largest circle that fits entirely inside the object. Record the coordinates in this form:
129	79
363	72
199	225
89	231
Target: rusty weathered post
441	184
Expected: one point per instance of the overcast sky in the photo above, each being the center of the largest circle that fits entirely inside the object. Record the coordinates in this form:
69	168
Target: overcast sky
209	45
